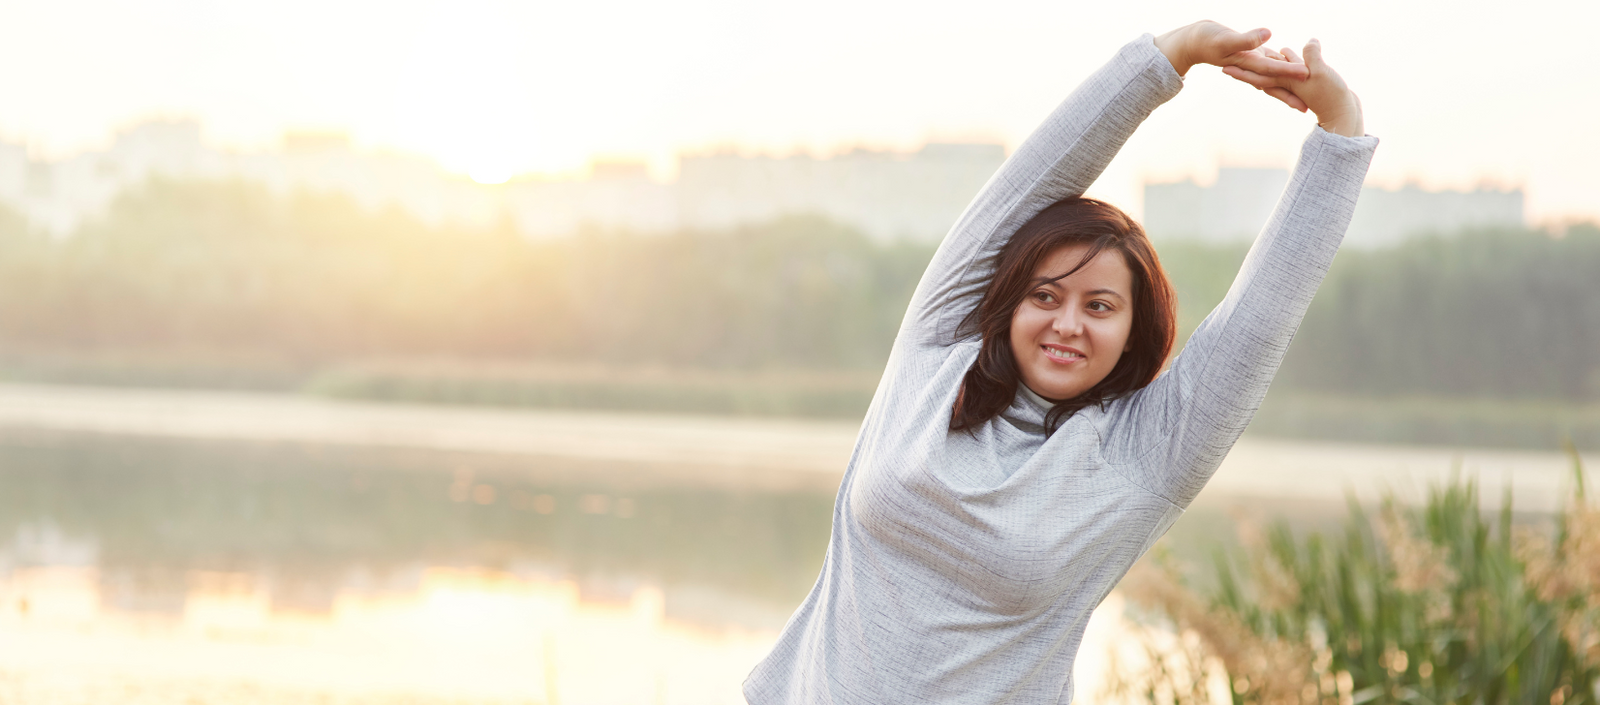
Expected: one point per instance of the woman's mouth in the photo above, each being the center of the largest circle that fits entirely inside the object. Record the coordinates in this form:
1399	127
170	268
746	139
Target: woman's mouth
1061	354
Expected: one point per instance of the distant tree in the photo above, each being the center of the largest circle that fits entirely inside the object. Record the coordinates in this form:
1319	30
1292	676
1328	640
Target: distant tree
220	270
227	267
1500	313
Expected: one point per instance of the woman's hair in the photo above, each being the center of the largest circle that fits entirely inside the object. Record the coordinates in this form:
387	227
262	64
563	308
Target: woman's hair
991	383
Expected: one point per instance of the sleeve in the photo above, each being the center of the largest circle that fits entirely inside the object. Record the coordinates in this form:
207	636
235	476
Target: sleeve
1059	160
1170	436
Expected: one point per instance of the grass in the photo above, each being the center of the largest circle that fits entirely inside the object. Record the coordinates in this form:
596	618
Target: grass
1533	424
1432	604
837	394
815	394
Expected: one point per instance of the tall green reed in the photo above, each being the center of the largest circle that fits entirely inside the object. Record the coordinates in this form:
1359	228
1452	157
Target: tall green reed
1440	603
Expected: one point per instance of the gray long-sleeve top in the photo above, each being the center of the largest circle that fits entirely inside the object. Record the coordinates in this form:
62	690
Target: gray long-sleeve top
963	567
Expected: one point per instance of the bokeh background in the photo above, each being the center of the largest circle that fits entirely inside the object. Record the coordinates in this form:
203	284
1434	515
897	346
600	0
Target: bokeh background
511	352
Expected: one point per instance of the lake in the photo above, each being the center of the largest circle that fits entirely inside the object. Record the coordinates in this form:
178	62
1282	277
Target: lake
232	548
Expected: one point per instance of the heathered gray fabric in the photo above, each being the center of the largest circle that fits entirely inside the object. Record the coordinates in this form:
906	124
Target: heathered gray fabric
962	568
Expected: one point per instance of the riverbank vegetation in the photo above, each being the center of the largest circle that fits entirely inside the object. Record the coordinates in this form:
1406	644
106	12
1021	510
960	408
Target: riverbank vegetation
1431	604
1489	337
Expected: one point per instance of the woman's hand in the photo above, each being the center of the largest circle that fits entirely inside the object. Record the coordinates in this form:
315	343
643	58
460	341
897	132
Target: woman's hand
1322	91
1207	42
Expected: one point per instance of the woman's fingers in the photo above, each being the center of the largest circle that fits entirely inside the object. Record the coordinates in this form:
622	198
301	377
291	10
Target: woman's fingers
1231	42
1269	85
1251	77
1264	65
1305	84
1338	109
1314	53
1288	98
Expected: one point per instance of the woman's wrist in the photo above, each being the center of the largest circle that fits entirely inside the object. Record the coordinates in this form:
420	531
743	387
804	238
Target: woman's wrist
1344	121
1173	45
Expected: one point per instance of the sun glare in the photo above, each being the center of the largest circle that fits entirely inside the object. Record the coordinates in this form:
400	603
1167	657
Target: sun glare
466	100
459	635
491	175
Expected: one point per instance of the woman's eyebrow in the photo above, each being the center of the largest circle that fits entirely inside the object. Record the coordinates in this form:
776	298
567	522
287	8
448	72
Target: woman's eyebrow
1112	292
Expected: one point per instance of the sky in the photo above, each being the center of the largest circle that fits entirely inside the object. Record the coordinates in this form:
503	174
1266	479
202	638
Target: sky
1461	94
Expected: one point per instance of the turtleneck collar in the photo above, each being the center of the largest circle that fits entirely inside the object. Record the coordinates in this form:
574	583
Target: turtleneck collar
1027	411
1039	401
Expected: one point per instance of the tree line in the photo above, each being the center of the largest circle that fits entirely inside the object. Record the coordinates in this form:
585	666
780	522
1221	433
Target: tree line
228	270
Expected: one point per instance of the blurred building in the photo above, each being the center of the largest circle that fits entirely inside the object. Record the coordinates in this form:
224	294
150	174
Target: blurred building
886	194
325	163
1232	208
14	166
1384	216
615	196
1239	202
59	196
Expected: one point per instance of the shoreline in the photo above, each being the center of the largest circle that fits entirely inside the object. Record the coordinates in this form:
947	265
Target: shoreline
812	453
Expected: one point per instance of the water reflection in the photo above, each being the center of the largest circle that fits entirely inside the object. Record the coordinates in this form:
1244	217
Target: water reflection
170	571
237	572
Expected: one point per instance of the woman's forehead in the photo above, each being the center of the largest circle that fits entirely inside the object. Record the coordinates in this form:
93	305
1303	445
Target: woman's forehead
1109	264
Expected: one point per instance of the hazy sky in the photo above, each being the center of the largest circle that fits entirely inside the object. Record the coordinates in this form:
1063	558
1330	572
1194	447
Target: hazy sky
1460	92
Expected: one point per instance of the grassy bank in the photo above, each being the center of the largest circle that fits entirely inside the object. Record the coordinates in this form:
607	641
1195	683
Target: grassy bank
1537	425
810	394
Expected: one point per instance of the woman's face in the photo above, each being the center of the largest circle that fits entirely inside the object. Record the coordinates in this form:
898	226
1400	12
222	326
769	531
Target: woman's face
1067	335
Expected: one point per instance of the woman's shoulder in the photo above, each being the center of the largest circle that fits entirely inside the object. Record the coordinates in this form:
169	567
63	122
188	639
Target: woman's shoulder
1126	417
926	362
919	384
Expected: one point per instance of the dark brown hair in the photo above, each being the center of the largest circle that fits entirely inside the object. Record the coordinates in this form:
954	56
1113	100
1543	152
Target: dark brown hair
991	383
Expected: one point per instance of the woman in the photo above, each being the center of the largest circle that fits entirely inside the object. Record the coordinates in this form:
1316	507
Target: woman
1020	453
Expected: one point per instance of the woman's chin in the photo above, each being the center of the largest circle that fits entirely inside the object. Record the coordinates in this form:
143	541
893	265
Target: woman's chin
1056	389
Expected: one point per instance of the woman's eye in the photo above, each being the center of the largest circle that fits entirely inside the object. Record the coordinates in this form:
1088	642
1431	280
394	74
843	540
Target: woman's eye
1099	306
1044	297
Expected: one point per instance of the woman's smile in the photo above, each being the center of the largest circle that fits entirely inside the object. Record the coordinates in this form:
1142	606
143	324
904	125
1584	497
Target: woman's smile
1061	354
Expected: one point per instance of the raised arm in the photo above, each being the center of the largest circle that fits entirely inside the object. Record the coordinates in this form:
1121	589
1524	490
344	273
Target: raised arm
1170	436
1063	157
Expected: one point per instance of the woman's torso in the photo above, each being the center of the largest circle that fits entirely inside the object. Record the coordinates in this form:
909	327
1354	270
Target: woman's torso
963	566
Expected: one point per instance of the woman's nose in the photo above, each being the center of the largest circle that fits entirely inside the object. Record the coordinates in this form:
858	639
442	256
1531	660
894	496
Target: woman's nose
1068	323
